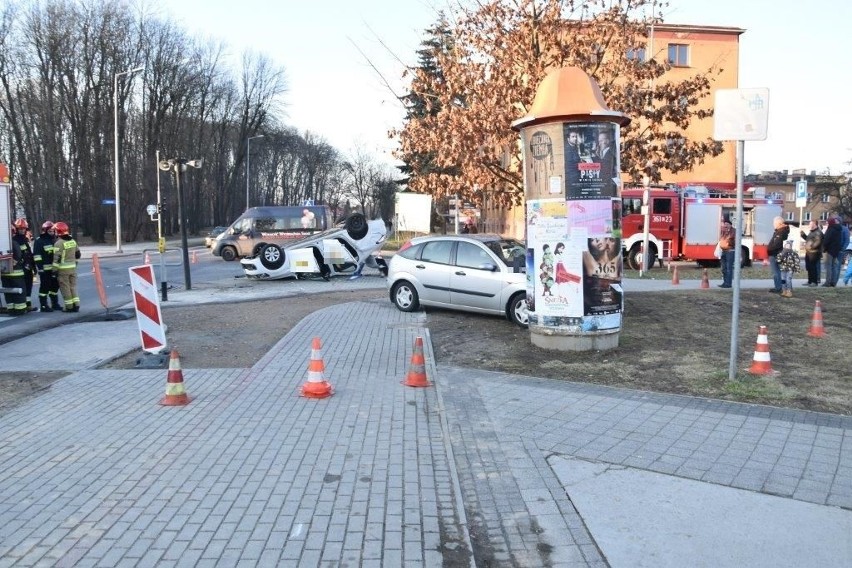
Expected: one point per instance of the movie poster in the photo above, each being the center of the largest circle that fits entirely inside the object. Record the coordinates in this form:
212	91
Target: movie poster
591	160
602	272
556	268
543	161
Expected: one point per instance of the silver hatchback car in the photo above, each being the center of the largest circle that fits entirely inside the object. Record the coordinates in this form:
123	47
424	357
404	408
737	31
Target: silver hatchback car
475	273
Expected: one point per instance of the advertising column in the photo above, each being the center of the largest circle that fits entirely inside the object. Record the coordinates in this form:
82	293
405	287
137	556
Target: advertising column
571	182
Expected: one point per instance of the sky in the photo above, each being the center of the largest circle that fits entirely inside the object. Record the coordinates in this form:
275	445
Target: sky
343	61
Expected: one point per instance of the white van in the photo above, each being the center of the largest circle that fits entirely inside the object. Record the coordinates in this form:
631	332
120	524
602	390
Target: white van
276	224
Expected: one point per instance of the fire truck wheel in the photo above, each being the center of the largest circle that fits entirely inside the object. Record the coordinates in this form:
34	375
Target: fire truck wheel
634	258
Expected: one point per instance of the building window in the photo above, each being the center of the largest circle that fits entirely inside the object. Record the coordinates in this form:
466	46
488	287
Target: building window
790	197
825	197
678	54
637	54
823	216
808	216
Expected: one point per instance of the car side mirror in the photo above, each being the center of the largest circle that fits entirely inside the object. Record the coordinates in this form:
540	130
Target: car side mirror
488	266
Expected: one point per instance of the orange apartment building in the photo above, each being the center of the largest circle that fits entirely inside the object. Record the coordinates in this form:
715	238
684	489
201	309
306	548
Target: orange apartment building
690	49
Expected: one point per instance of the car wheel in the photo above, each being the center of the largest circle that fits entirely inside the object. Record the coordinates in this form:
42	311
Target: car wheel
257	248
229	254
404	296
356	226
271	257
517	310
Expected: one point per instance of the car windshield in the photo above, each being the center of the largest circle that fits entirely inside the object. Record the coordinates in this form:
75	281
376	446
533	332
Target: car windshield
510	251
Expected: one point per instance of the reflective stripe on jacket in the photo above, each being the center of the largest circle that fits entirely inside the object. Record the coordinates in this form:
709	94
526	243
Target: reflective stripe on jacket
43	252
65	254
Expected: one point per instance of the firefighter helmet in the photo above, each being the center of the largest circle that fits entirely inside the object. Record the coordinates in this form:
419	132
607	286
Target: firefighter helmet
46	226
61	228
21	224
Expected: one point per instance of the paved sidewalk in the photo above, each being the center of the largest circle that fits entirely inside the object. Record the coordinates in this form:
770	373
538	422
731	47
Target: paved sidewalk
482	469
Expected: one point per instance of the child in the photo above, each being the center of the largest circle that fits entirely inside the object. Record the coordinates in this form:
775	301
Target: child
788	261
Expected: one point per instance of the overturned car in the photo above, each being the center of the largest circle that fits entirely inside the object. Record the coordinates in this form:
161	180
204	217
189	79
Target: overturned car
344	249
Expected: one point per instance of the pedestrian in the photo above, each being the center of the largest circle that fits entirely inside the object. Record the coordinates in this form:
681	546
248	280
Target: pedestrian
66	253
831	242
813	252
308	219
789	263
48	289
28	264
13	279
775	245
727	242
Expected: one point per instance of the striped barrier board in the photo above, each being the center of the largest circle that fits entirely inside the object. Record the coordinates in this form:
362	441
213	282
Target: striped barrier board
147	303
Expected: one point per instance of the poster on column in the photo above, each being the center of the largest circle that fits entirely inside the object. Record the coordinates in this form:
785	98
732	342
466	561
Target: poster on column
543	161
591	160
556	263
602	262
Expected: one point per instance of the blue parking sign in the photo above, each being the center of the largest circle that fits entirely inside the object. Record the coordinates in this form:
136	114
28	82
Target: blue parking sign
801	193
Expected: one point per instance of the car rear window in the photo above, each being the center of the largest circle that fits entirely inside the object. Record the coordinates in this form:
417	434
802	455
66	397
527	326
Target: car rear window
507	250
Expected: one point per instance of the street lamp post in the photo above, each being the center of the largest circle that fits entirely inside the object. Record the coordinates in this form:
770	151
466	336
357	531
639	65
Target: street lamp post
178	166
115	162
248	164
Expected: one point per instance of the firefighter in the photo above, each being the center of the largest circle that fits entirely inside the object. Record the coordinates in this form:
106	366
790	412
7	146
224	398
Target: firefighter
22	238
66	253
16	304
48	290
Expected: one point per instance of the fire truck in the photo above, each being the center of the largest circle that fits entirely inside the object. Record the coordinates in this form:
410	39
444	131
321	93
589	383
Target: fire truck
6	223
685	219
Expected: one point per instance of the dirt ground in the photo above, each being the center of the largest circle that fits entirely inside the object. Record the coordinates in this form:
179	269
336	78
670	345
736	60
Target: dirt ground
673	342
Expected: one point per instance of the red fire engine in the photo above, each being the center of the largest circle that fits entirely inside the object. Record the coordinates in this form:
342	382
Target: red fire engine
685	219
6	229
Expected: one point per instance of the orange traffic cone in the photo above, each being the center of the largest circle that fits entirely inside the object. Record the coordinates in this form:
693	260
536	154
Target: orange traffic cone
316	386
761	363
705	281
675	278
147	258
416	376
175	393
817	329
194	257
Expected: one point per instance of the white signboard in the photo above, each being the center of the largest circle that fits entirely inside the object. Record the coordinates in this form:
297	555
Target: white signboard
741	114
414	212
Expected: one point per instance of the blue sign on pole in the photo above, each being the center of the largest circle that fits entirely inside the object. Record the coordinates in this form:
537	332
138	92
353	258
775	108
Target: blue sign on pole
108	202
801	193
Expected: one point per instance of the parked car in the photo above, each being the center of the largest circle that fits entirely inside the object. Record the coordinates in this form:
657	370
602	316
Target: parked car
211	236
344	249
475	273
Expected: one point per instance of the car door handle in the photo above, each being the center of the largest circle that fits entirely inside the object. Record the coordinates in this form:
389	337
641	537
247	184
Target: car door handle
420	266
461	273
